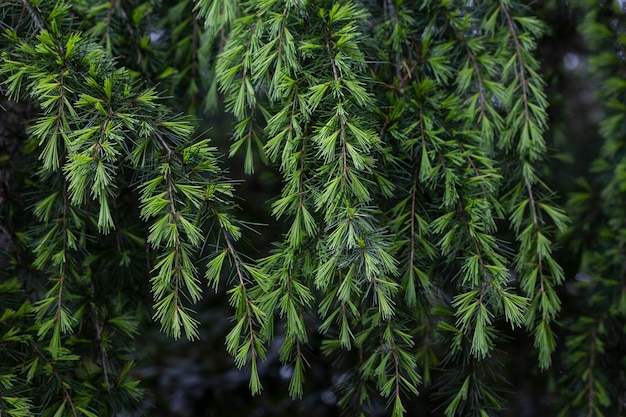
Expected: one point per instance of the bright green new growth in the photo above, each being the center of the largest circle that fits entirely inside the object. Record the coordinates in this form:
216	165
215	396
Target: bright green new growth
384	130
97	121
91	136
419	230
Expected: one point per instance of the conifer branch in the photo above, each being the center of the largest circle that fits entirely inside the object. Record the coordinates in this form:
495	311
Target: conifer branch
518	53
390	250
33	14
474	64
52	366
165	146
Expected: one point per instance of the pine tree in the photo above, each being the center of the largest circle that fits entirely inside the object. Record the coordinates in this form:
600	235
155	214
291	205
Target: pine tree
419	222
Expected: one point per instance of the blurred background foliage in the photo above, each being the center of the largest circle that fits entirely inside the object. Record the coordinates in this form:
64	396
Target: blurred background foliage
165	45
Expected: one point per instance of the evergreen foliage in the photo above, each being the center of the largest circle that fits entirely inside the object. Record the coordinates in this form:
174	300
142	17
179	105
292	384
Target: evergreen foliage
420	229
